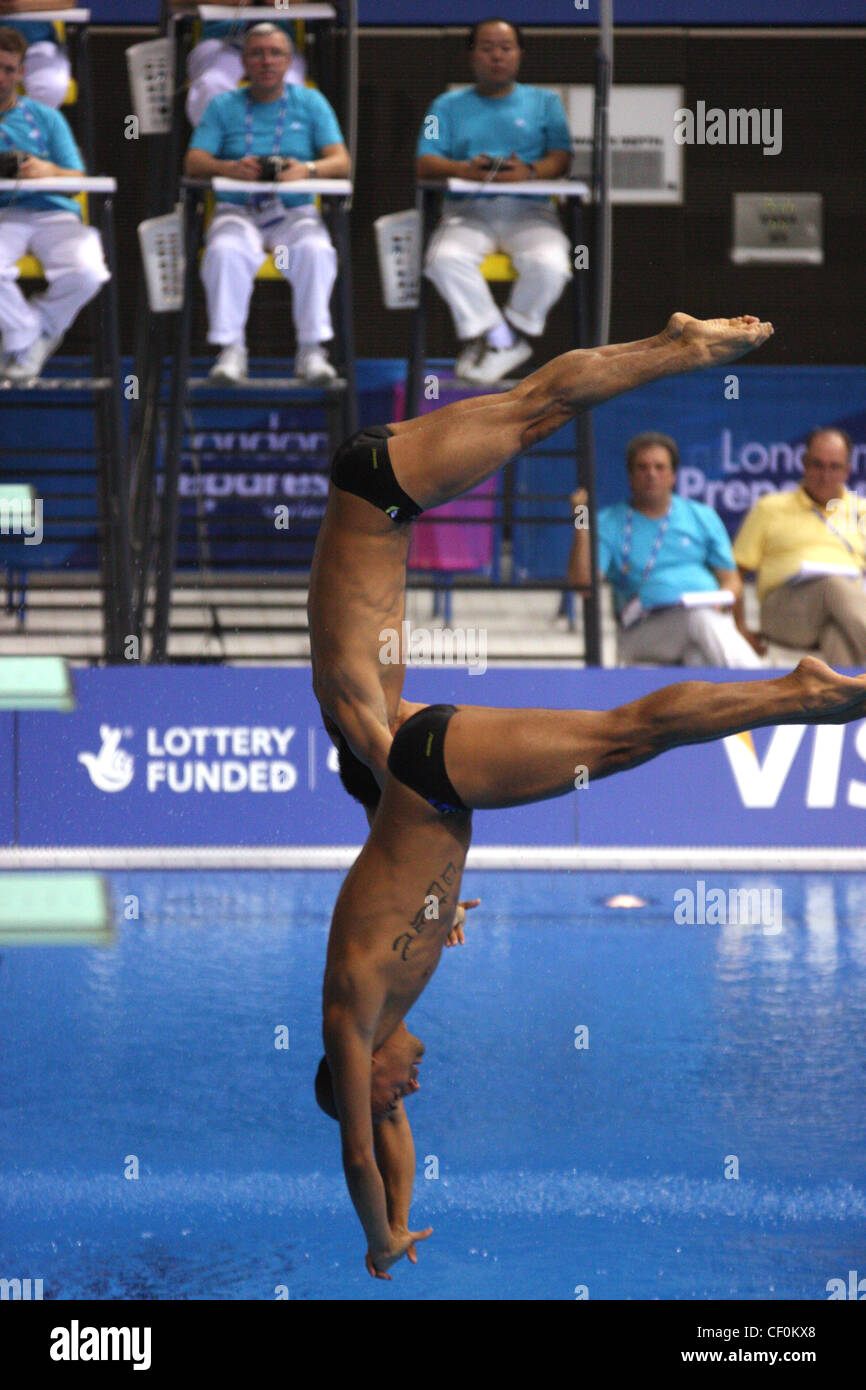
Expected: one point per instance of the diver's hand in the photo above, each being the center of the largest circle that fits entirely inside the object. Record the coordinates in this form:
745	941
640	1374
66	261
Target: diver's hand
378	1262
455	936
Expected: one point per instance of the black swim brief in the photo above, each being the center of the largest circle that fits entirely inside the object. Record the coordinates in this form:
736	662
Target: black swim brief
361	465
417	758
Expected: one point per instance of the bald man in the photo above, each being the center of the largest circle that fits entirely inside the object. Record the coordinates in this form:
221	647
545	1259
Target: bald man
808	547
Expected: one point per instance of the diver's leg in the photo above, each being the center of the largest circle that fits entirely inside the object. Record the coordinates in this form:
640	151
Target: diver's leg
450	451
497	758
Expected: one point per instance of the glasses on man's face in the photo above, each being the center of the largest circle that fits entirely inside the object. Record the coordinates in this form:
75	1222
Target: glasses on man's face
818	467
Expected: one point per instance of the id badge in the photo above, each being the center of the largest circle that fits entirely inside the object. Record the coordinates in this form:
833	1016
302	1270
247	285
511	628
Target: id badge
632	612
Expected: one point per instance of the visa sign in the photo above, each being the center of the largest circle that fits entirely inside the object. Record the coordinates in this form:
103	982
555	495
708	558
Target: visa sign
761	781
790	784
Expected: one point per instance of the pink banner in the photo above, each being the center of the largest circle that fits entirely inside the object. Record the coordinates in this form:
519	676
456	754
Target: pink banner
467	546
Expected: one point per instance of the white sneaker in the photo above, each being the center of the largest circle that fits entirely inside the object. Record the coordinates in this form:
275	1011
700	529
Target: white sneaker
467	358
312	365
496	363
231	365
27	364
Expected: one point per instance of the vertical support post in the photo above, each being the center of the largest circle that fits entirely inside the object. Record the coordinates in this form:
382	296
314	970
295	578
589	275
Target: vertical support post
141	457
79	53
602	241
585	442
151	331
351	81
335	416
167	540
178	27
114	491
424	201
343	304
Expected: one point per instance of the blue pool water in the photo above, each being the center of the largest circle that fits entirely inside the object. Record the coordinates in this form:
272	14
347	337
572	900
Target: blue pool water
557	1166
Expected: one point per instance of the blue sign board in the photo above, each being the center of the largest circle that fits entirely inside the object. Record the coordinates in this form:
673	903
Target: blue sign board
7	779
219	756
783	785
211	756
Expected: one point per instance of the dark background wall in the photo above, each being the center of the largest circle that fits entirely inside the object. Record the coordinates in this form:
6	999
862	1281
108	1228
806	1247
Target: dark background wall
551	11
664	257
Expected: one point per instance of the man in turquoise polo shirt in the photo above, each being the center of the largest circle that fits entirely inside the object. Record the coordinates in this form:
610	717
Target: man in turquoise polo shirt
46	225
239	130
216	63
498	131
46	64
671	567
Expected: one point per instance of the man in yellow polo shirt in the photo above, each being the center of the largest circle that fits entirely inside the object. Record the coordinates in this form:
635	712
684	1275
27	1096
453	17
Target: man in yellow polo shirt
808	547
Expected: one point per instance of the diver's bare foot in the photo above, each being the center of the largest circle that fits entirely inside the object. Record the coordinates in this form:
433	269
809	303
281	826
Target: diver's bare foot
677	322
673	329
715	341
826	695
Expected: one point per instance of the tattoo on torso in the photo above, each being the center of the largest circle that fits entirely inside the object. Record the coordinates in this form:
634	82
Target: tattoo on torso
431	910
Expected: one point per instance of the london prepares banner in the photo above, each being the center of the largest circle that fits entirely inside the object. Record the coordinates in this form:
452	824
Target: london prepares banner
740	433
209	756
253	489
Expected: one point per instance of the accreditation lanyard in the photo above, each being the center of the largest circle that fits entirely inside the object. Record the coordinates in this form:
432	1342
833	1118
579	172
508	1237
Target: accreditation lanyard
33	130
261	200
625	564
836	532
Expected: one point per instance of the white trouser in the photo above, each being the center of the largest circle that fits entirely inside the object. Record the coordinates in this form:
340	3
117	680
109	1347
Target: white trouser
686	637
528	231
215	66
71	256
47	72
236	247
